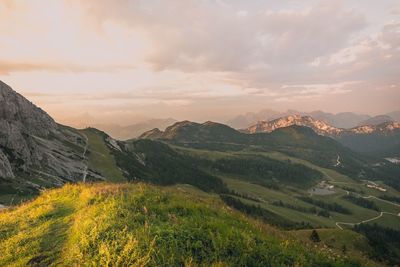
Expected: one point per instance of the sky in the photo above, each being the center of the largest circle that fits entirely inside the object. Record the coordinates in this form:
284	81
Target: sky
124	61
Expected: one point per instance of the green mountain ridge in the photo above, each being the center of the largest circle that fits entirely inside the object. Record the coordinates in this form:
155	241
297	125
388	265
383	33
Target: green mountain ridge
297	141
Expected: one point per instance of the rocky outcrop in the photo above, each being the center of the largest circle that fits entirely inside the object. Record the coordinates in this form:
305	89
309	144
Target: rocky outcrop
20	120
22	114
31	142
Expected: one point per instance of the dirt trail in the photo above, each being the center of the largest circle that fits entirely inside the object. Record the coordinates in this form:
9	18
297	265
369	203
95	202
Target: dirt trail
85	170
365	221
337	161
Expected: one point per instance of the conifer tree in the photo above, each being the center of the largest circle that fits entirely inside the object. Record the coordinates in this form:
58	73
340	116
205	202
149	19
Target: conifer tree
315	236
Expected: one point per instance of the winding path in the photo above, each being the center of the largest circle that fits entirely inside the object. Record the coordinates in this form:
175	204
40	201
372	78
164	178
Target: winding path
85	170
371	219
365	221
337	161
365	197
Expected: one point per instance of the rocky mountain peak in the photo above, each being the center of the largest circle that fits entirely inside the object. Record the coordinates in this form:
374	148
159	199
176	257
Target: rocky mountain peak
318	126
19	114
31	140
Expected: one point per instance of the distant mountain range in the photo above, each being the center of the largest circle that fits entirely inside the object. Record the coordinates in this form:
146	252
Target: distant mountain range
327	122
376	135
344	120
340	120
376	124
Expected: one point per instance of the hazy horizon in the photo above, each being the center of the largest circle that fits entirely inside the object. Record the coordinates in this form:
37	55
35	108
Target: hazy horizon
128	61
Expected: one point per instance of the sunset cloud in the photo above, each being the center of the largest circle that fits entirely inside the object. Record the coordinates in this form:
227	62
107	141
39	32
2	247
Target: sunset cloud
168	58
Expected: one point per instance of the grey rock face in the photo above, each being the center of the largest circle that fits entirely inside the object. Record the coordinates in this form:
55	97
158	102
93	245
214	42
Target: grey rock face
5	167
24	115
32	142
20	120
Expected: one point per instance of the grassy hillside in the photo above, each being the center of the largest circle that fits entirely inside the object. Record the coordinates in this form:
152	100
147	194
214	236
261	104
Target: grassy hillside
156	162
143	225
100	158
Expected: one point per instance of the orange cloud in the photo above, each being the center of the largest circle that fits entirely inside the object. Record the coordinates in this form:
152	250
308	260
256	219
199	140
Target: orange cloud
198	58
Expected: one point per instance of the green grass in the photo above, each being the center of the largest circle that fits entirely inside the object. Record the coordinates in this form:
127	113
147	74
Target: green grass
100	158
143	225
269	195
356	245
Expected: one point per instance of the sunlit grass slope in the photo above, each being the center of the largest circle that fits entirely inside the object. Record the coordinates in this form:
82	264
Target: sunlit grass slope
142	225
